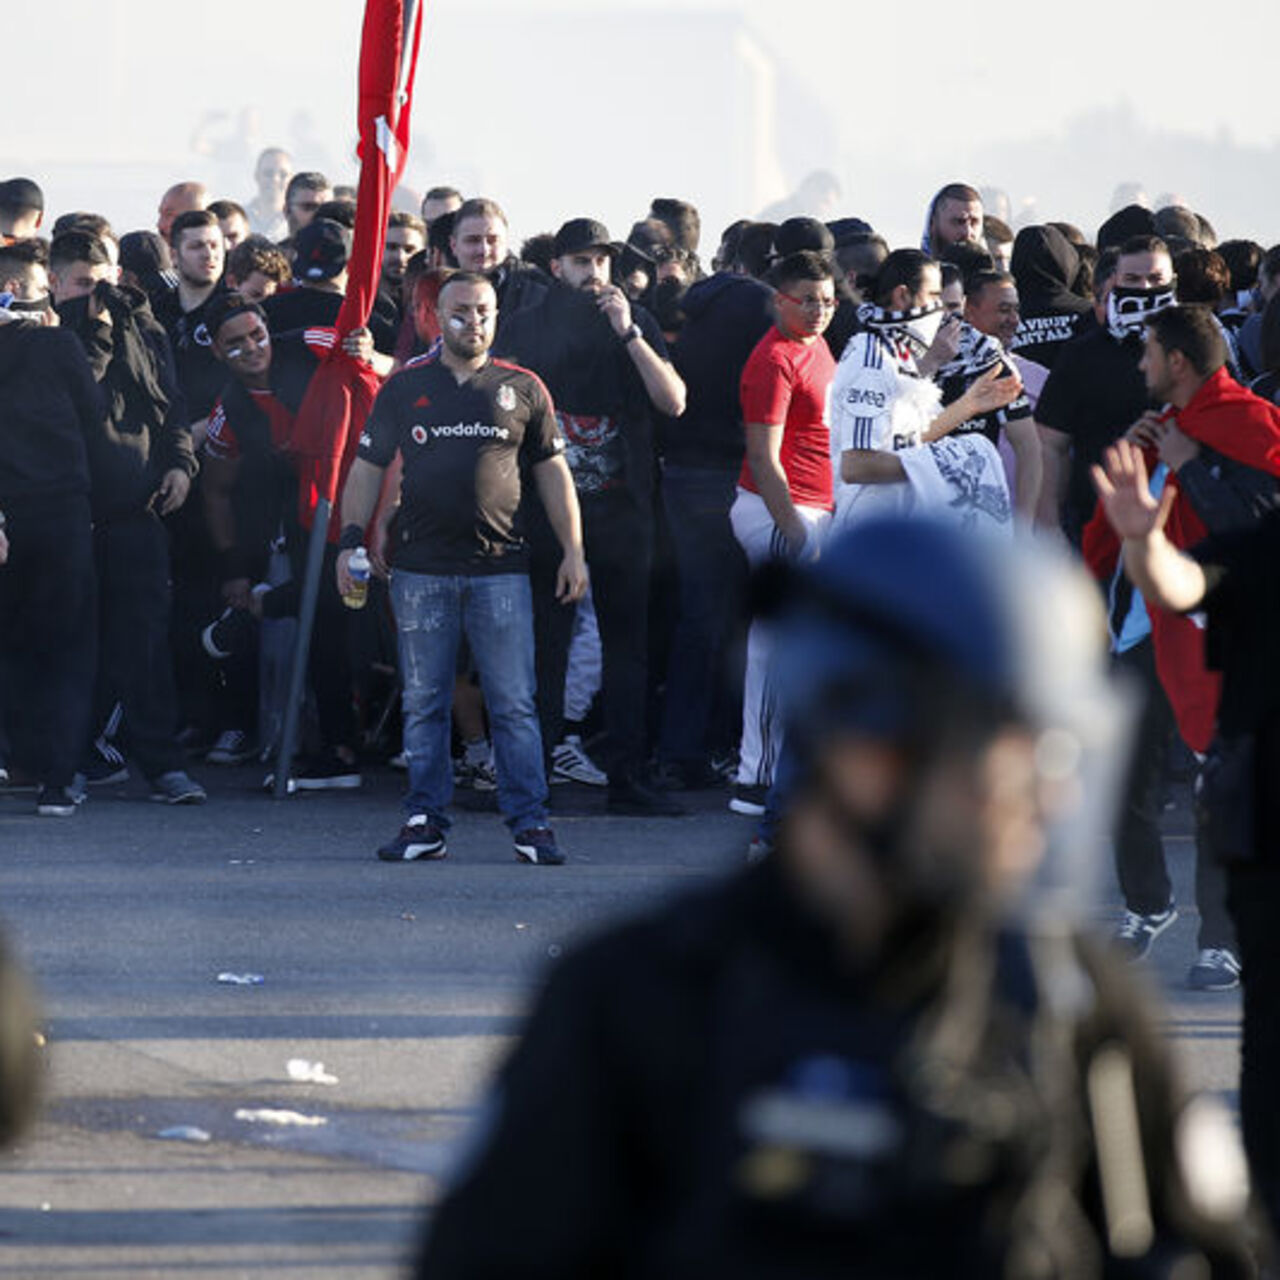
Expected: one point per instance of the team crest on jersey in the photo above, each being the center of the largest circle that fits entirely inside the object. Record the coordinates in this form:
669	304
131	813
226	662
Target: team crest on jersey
506	398
419	434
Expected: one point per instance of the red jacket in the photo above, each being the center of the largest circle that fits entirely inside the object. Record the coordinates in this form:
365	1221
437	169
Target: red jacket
1231	420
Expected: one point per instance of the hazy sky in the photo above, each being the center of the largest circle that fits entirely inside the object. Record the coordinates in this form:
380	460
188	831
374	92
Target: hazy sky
906	97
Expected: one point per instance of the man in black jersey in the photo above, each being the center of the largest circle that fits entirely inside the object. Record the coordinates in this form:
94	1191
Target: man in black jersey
466	427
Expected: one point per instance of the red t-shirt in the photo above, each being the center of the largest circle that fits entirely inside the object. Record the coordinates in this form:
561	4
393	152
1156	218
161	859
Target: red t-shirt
787	381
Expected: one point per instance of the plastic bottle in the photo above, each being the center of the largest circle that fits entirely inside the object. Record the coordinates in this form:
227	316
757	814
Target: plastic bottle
358	568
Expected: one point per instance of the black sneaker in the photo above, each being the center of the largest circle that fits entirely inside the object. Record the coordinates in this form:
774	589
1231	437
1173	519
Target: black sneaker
177	787
55	802
419	840
538	845
327	772
688	775
232	747
1216	969
1136	932
636	799
749	801
234	632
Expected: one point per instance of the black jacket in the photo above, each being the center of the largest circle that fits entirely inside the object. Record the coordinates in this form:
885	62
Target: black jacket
51	412
725	317
713	1091
145	426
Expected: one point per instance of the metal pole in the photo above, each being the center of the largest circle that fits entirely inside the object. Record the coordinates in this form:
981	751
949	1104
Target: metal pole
302	648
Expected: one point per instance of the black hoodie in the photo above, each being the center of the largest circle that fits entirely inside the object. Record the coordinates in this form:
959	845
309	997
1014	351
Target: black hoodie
726	315
146	431
51	413
1045	264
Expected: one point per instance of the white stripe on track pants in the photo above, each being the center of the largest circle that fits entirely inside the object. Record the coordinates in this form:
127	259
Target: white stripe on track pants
762	540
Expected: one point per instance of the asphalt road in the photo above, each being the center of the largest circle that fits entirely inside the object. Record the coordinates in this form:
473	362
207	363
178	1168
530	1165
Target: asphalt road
405	981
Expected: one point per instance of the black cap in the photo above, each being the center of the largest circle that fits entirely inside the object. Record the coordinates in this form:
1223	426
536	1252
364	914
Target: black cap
321	250
802	233
582	233
21	193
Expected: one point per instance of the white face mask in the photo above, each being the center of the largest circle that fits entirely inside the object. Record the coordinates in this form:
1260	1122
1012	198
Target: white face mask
925	328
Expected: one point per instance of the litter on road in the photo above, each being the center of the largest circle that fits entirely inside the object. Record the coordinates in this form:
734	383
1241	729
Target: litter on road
303	1072
241	979
184	1133
272	1115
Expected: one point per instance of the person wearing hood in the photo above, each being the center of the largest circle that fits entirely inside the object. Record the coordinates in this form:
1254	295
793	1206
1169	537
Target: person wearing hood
955	215
1096	391
726	315
51	420
1045	265
143	474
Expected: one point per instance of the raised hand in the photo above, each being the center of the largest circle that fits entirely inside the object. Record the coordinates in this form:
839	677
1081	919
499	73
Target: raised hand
1124	489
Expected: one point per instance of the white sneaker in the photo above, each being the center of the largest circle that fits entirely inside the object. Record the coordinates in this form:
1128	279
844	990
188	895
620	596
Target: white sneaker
570	763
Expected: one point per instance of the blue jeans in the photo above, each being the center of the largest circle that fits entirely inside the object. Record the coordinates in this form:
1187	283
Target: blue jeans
496	612
702	708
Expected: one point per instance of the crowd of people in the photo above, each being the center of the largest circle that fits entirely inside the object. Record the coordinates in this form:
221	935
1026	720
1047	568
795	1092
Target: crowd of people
575	455
683	426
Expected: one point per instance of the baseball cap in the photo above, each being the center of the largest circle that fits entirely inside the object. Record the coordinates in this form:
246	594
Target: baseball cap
582	233
21	193
321	250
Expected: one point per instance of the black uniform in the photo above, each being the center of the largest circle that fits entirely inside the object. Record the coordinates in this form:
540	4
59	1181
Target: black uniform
51	416
605	416
147	436
716	1091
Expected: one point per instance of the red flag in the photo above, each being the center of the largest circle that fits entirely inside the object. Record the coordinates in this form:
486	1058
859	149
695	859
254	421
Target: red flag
341	392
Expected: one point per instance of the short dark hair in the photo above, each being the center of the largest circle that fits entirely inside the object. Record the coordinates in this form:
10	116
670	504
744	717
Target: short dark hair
755	246
861	255
307	180
81	220
1177	220
981	281
226	306
967	258
20	256
227	209
901	267
996	229
191	218
403	218
1243	258
440	234
78	246
465	277
479	207
1074	236
802	265
257	253
442	193
1193	330
1104	271
951	275
1202	276
339	210
1143	244
538	250
680	218
957	191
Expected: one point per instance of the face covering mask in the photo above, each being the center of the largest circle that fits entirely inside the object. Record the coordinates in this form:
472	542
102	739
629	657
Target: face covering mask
1129	308
925	328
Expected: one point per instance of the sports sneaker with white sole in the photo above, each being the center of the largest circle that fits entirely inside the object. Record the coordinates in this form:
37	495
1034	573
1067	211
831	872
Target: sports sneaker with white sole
1216	969
177	787
570	763
1136	932
418	841
538	845
55	802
